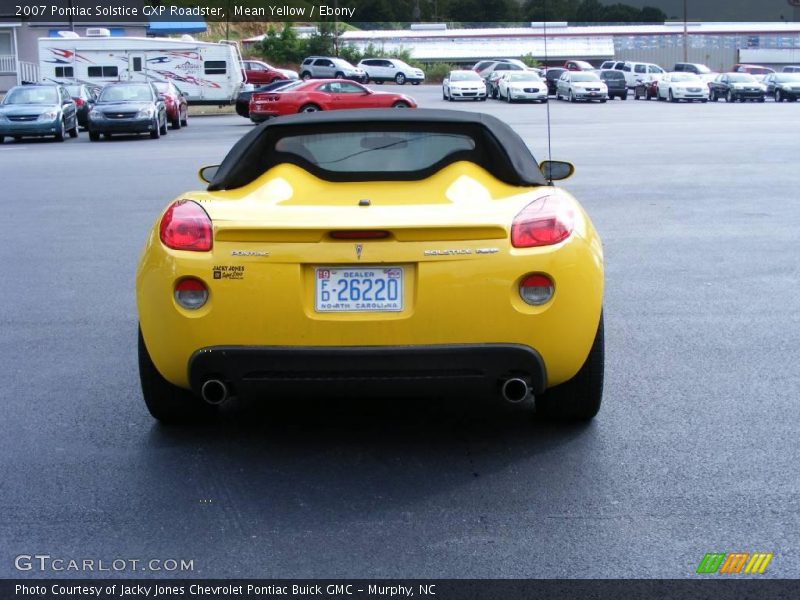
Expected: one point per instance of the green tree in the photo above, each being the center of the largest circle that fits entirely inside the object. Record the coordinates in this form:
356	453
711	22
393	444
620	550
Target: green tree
282	47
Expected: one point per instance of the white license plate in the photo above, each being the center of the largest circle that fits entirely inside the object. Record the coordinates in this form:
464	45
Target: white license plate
358	289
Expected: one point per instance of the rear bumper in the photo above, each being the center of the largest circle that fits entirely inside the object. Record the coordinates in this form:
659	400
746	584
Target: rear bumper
367	371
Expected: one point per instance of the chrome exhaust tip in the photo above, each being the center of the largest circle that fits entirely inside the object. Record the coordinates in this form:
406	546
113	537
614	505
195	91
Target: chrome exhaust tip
515	390
214	391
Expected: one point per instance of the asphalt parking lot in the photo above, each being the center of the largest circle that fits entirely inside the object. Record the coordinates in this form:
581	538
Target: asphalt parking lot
695	449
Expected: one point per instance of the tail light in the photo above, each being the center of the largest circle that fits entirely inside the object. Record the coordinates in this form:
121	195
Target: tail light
191	293
186	226
79	102
543	222
536	289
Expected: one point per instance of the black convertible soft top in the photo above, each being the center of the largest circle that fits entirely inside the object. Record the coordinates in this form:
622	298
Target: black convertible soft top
497	147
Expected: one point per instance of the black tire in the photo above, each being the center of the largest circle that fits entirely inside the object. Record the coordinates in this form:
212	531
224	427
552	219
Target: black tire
166	402
508	98
305	75
338	75
624	96
400	79
2	139
400	104
309	108
635	95
571	96
778	97
712	95
164	130
579	398
415	83
729	97
73	133
156	132
444	96
185	119
603	101
672	98
59	136
94	136
176	124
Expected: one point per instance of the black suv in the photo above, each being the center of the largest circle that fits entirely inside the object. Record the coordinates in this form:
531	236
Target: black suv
615	82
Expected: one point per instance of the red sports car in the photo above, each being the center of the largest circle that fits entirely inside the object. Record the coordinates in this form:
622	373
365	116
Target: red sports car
175	101
322	94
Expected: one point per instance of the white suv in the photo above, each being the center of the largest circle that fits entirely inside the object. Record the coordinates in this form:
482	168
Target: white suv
390	69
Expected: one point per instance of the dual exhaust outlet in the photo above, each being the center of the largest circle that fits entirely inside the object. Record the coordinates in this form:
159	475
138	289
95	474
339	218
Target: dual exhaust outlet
215	391
513	389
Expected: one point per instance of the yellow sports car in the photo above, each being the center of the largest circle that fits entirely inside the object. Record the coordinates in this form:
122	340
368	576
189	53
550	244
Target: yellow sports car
381	252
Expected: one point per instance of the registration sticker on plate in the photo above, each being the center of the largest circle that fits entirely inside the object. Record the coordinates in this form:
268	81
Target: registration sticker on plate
358	289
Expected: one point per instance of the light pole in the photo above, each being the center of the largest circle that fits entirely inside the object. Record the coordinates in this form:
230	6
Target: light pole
685	34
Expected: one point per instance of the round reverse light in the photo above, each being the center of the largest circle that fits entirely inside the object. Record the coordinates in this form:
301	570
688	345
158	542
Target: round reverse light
536	289
191	293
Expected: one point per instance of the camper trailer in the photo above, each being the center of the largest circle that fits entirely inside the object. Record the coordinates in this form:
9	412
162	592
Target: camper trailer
206	73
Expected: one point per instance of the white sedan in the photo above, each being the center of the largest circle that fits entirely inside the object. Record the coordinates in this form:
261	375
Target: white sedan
581	85
463	85
682	86
521	85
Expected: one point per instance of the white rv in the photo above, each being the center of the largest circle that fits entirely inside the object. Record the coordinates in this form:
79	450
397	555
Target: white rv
206	73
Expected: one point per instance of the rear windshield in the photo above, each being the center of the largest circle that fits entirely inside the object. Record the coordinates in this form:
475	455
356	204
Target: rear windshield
371	152
787	77
741	78
684	77
612	75
32	95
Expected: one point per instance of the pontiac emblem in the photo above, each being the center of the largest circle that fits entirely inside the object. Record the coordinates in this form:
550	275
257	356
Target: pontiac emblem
359	248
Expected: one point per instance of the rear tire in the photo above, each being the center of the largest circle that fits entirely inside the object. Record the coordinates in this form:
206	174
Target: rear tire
309	108
2	138
164	130
176	124
168	403
305	75
94	136
579	398
73	133
185	119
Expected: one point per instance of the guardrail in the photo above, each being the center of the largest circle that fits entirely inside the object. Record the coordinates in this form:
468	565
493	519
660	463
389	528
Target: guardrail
28	71
8	63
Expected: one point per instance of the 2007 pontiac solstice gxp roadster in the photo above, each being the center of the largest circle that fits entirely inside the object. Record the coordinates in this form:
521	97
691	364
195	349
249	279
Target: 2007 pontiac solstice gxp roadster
378	252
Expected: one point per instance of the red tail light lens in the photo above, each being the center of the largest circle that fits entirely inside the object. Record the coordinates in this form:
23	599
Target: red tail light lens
191	293
536	289
186	226
544	222
79	102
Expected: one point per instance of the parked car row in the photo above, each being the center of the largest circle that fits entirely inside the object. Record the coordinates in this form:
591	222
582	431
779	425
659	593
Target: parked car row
47	109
